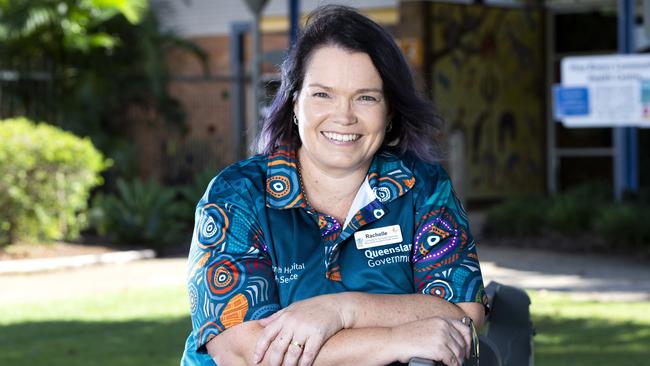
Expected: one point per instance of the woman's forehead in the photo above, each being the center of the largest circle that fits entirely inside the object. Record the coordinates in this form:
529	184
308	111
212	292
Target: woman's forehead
333	66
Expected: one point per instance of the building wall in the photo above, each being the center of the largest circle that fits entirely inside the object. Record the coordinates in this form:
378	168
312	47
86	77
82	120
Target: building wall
487	77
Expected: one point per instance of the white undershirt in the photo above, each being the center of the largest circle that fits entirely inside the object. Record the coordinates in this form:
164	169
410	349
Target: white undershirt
364	196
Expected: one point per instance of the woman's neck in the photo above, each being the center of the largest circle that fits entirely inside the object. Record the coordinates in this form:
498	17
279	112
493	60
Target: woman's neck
330	192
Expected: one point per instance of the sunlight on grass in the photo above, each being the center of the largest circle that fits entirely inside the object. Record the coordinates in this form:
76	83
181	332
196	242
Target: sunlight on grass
586	332
144	327
118	306
149	327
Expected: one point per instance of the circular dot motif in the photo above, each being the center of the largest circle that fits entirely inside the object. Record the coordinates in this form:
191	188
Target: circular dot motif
433	240
378	213
213	224
222	277
440	289
278	186
383	194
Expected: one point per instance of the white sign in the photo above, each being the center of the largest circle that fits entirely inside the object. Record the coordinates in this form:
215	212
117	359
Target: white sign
618	90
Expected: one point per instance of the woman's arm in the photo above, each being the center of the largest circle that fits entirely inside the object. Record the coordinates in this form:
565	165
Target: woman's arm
313	321
367	310
433	338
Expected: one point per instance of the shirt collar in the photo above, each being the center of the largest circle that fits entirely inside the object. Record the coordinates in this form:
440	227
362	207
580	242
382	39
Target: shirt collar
388	177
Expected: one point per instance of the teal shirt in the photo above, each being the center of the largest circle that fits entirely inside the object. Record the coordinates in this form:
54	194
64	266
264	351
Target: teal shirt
257	246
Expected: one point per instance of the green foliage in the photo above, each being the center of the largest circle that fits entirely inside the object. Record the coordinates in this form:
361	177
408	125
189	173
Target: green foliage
625	224
146	213
141	213
574	210
46	176
102	63
58	25
516	217
191	193
584	209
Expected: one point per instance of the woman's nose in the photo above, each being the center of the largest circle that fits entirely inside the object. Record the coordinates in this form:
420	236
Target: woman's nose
345	112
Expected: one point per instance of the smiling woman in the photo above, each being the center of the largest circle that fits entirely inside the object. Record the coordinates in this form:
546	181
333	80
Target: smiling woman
342	242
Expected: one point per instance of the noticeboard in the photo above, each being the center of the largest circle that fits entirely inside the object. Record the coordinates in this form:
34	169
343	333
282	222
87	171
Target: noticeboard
604	91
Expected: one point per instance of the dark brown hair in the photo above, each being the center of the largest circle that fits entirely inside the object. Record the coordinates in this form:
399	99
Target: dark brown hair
416	125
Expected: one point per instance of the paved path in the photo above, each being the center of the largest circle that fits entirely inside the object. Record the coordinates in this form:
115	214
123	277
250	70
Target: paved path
92	280
589	276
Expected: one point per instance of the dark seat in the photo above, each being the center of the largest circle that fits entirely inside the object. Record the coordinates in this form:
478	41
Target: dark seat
508	338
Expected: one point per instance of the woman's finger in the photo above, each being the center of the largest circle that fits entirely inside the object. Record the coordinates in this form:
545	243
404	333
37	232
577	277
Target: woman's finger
452	357
466	333
269	334
455	345
457	333
279	347
310	351
293	353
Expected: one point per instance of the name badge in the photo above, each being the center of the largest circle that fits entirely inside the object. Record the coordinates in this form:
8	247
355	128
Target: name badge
377	237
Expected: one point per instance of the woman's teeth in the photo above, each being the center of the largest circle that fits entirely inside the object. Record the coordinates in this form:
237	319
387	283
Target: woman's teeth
341	137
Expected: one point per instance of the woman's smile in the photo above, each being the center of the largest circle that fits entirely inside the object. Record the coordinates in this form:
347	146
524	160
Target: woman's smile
341	138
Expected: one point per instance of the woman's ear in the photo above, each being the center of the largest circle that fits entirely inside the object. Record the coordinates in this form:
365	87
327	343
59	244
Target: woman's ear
295	103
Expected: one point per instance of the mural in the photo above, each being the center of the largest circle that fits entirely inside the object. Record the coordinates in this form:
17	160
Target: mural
487	69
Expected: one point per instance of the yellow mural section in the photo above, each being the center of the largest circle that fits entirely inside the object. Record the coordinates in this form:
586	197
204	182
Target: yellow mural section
487	69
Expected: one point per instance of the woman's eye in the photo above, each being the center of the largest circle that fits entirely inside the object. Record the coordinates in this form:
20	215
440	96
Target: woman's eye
321	95
368	98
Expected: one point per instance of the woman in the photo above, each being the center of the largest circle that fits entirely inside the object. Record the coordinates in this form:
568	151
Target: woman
342	242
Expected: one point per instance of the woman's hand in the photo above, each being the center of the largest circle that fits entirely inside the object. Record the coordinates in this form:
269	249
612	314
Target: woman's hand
295	334
437	338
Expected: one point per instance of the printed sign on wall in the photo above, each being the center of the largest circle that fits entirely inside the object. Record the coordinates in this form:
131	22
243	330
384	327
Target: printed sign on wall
604	91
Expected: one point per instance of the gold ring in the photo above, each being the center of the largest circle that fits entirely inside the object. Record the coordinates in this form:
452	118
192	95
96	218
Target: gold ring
294	343
466	320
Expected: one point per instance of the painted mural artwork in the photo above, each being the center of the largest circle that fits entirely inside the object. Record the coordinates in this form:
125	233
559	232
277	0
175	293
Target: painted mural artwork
488	83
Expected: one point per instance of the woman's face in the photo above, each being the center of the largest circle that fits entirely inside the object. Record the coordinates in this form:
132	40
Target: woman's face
341	110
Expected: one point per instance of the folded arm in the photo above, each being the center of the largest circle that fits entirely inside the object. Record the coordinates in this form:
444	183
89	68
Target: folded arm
437	338
313	321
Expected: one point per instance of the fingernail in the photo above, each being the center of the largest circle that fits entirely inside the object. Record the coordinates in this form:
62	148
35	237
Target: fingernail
256	358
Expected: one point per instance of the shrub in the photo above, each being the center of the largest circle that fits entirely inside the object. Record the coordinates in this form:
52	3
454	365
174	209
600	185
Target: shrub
574	210
142	213
192	193
516	217
625	225
46	175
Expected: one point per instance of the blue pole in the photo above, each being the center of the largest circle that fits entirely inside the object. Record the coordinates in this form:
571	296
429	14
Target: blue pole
294	15
626	149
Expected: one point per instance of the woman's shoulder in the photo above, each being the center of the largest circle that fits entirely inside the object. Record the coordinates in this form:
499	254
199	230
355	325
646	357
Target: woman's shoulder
240	182
431	181
427	172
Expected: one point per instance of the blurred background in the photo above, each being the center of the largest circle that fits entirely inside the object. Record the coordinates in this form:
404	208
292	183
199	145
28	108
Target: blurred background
115	115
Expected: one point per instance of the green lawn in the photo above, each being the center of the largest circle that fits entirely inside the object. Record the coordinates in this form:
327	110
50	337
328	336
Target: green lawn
149	328
127	328
575	332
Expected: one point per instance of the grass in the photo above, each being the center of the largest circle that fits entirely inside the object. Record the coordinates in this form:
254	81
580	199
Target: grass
581	332
149	327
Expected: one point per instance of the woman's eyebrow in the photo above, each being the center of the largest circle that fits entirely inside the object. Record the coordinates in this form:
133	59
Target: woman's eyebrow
362	90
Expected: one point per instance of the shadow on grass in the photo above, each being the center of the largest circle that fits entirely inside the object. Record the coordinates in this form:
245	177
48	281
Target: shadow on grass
140	342
561	341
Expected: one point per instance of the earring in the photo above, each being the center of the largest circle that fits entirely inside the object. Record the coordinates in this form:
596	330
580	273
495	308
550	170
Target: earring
389	126
295	120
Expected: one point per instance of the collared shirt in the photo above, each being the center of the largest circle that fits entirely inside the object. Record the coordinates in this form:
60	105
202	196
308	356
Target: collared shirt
258	247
